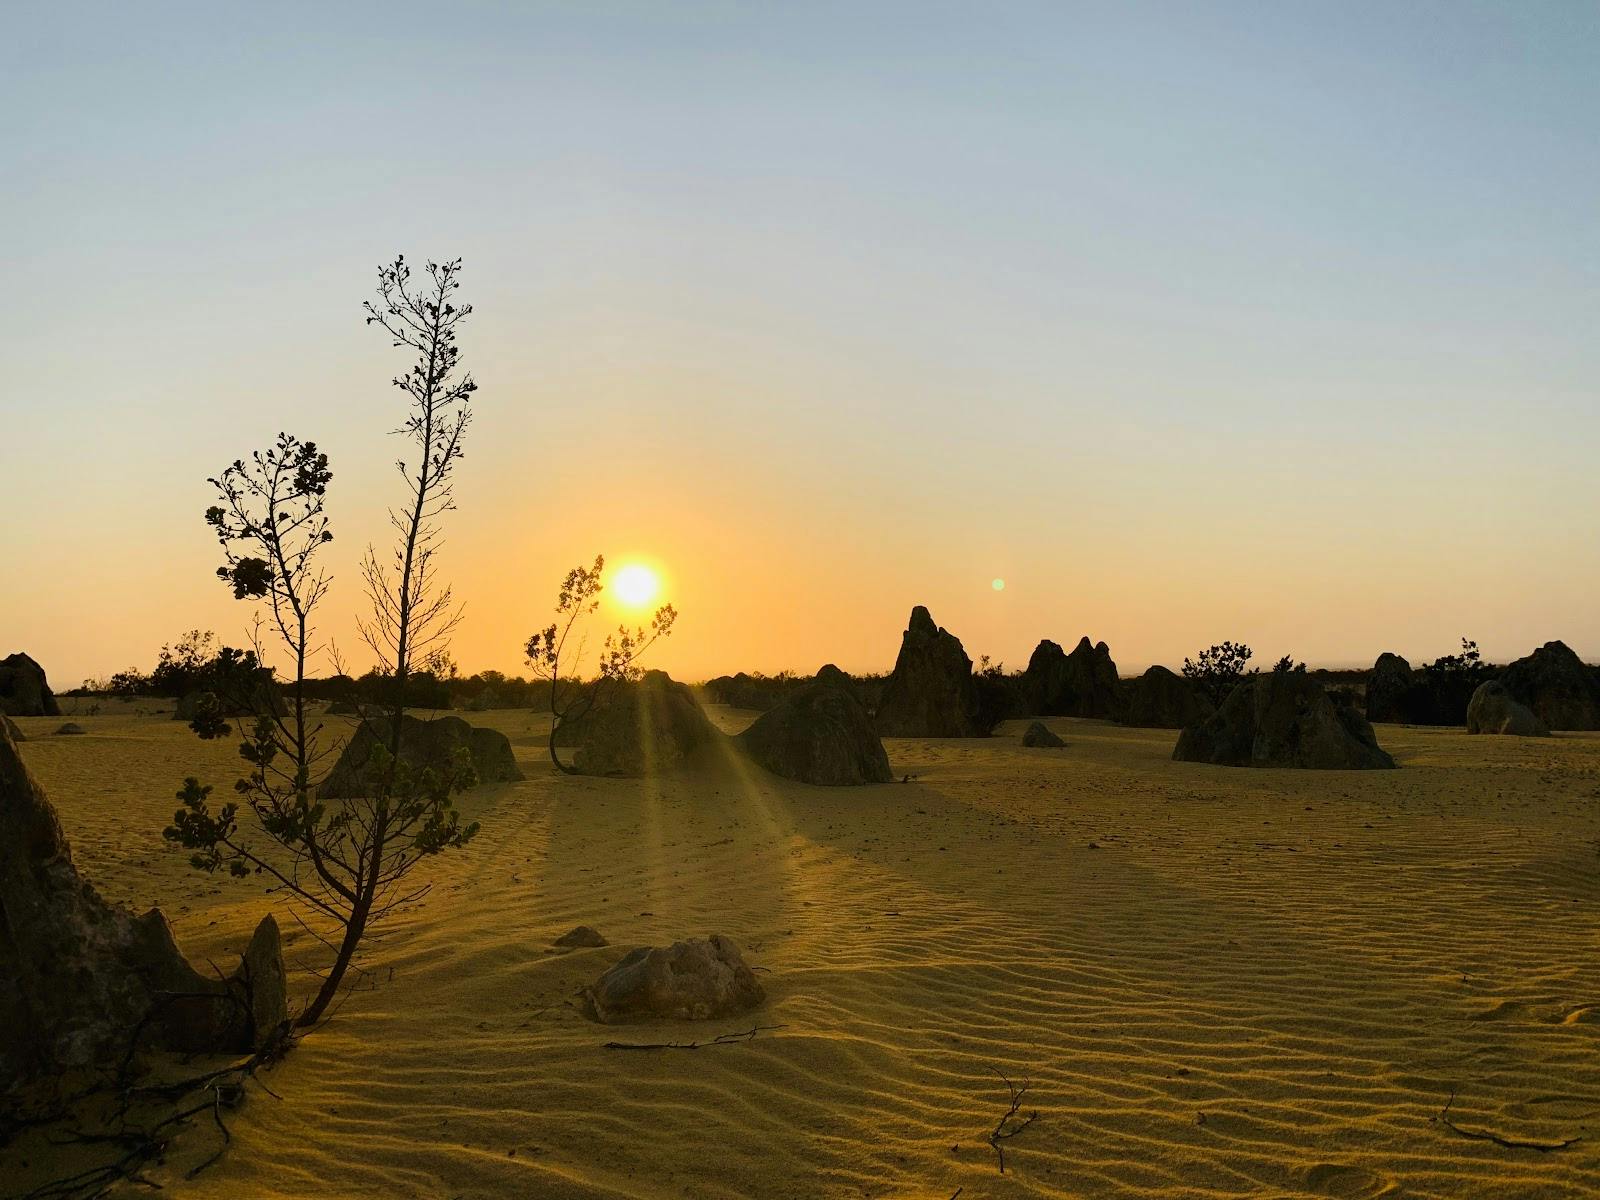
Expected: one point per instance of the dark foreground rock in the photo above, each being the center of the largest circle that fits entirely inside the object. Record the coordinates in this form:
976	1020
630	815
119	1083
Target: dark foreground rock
931	692
24	691
1495	710
1557	686
11	729
424	745
644	728
819	734
1161	699
695	980
1039	735
1283	719
79	976
1081	684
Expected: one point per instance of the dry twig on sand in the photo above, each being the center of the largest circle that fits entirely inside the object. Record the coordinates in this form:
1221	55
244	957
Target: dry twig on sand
1483	1135
723	1039
1001	1133
142	1144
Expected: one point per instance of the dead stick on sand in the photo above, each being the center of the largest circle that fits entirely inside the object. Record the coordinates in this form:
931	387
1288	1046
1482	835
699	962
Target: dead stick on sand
723	1039
1001	1133
1483	1135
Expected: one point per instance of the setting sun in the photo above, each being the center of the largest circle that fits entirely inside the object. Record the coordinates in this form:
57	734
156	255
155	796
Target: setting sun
636	585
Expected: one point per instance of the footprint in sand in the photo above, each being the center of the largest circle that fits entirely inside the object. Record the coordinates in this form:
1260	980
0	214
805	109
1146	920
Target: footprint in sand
1347	1183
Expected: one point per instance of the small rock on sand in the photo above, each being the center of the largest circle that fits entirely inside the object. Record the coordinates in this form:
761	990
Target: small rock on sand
694	980
579	937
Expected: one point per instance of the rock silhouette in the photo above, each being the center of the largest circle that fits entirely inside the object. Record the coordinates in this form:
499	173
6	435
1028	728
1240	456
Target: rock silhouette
931	692
24	691
819	734
1557	686
1081	684
1162	699
1495	710
1283	719
1039	735
79	976
423	745
643	728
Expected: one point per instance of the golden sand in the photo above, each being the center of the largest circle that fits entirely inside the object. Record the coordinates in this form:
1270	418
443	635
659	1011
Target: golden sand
1218	982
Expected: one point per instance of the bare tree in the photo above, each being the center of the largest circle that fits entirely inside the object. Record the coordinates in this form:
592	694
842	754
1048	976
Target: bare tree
349	860
553	650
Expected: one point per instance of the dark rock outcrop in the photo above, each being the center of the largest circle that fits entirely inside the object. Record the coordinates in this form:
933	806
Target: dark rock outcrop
78	976
1433	694
643	728
24	691
1161	699
931	692
1557	686
694	980
580	937
1495	710
423	745
1389	690
820	734
71	729
11	729
1283	719
1081	684
1038	734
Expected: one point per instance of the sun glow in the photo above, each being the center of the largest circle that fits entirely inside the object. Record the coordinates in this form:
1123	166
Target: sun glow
635	585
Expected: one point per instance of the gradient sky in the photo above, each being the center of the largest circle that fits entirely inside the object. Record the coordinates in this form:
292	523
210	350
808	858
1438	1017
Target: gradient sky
1274	322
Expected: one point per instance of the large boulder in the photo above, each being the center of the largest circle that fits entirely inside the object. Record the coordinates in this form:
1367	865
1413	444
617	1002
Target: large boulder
80	979
1389	690
820	734
1161	699
1283	719
931	692
1495	710
1081	684
24	691
1555	684
694	980
644	728
423	745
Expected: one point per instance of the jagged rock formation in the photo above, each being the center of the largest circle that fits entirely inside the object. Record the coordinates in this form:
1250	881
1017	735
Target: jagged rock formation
694	980
643	728
1081	684
423	745
1495	710
24	691
1160	699
819	734
79	977
1557	686
1283	719
931	692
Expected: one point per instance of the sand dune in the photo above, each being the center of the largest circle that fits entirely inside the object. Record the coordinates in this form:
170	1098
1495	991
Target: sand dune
1218	982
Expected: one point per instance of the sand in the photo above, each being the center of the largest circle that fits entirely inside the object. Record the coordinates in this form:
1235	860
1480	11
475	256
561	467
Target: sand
1218	982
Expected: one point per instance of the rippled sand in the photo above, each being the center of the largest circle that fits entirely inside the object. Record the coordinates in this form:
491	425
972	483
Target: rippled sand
1218	982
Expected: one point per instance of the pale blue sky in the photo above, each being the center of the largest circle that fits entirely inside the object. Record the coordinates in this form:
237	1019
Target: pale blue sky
1273	321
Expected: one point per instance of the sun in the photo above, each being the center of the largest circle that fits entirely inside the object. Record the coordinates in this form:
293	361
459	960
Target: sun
635	585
